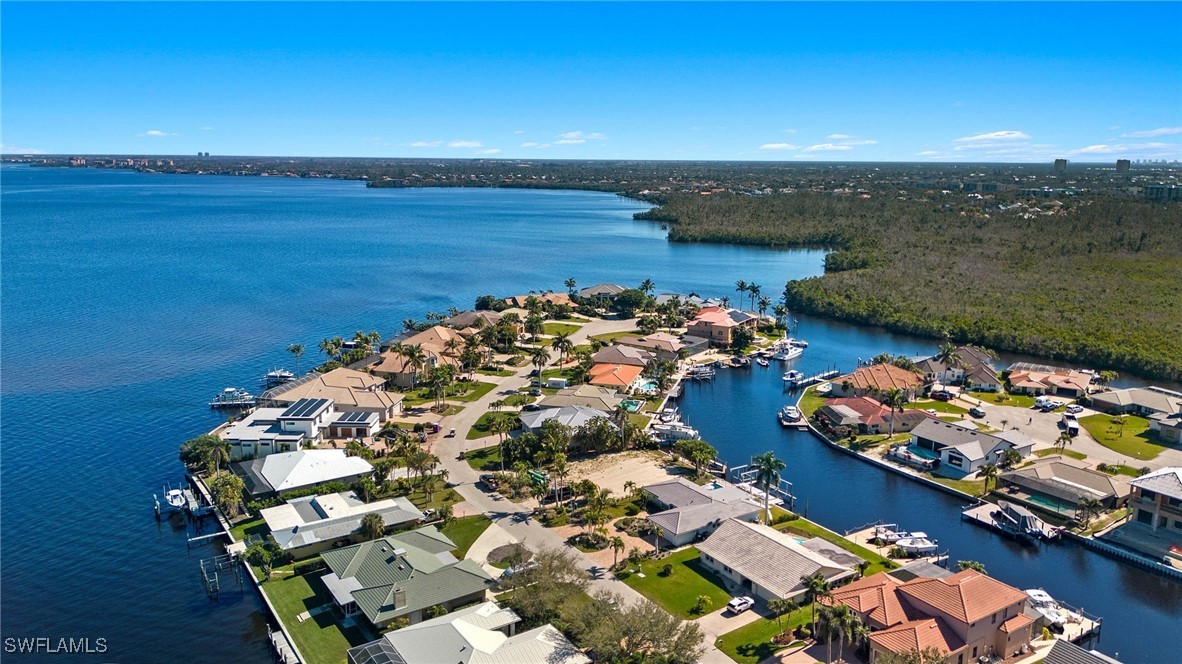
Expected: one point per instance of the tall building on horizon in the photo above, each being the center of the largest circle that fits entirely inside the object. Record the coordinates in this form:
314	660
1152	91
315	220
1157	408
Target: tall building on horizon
1060	165
1122	165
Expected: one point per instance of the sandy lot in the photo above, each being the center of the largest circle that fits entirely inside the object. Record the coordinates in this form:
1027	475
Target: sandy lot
612	471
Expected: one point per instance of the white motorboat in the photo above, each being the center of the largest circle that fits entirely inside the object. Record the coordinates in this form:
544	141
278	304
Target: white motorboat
674	431
232	397
888	532
1051	610
917	545
278	377
788	353
798	343
175	499
793	376
789	415
762	361
668	415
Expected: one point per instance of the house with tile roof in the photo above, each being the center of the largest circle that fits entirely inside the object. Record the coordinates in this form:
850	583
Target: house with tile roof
686	512
440	345
545	298
603	399
572	416
766	563
1144	401
1059	484
877	378
618	376
667	346
869	416
619	354
1035	379
604	293
349	390
973	368
1157	500
402	575
480	634
716	324
965	615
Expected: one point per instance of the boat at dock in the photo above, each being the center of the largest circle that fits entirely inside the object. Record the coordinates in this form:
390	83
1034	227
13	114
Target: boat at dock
674	431
917	544
786	353
798	343
1073	624
700	372
793	376
232	397
1012	520
762	361
669	415
790	416
277	377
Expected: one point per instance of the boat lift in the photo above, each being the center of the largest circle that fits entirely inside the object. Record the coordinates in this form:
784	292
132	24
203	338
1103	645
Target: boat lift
212	570
781	493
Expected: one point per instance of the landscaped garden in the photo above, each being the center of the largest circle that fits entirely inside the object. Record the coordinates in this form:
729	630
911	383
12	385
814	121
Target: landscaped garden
458	391
1128	434
679	590
559	328
319	638
484	425
806	528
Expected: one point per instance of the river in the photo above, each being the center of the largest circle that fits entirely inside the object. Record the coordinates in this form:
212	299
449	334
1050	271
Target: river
129	299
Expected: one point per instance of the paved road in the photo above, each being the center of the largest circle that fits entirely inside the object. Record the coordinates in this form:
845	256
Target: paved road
510	516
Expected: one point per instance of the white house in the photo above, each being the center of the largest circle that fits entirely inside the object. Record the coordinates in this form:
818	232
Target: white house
963	451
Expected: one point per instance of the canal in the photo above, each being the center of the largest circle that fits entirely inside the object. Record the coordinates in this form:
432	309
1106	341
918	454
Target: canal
736	413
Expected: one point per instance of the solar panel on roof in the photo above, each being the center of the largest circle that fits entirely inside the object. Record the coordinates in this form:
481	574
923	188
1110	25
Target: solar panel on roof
304	407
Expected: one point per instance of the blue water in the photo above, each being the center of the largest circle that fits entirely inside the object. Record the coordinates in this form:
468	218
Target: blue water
736	411
130	299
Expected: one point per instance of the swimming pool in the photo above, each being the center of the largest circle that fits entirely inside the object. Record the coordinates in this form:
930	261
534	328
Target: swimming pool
648	386
632	405
1049	503
922	453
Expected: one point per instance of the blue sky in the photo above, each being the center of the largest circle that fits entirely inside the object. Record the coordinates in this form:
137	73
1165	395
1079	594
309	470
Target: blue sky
1088	81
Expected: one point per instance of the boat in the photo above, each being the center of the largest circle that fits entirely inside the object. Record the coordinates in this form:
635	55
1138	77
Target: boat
917	544
1020	522
788	353
278	377
741	362
668	415
674	431
888	533
232	397
798	343
793	376
700	372
789	416
176	499
762	361
1054	613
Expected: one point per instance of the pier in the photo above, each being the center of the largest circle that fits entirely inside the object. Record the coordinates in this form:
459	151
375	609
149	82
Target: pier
865	537
811	380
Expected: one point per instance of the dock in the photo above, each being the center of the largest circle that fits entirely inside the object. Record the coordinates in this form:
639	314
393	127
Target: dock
982	514
811	380
865	537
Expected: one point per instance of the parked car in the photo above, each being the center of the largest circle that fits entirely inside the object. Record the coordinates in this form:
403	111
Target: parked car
1075	408
530	407
976	412
740	604
536	392
489	480
942	395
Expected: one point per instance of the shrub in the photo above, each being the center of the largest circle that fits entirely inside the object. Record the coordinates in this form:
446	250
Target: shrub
785	518
667	570
308	567
804	633
632	509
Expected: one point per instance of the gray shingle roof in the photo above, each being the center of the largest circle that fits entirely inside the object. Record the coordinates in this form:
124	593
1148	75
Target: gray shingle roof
1167	482
768	557
689	519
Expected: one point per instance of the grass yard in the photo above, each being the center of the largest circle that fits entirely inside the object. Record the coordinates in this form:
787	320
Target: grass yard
560	328
519	399
971	487
1004	399
678	592
1120	469
612	336
460	391
639	419
806	528
752	643
485	459
439	498
1068	453
496	372
483	426
244	529
466	530
810	401
938	406
1132	440
320	638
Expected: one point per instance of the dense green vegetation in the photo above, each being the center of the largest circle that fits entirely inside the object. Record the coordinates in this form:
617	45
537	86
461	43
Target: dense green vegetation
1097	283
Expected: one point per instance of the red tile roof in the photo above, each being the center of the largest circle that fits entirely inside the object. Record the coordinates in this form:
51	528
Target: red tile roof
881	377
966	596
874	596
617	375
1016	623
917	635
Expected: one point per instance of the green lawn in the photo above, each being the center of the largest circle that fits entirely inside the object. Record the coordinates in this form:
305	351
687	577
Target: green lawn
639	419
612	336
1005	399
806	528
460	391
438	498
679	591
496	372
519	399
1133	439
752	643
245	529
319	638
810	401
481	427
559	328
971	487
485	458
1068	453
938	406
466	530
1122	469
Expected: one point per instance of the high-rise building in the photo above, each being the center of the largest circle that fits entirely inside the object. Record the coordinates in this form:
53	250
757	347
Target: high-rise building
1122	165
1060	165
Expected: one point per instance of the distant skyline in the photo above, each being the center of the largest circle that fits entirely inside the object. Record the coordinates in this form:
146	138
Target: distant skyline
1006	82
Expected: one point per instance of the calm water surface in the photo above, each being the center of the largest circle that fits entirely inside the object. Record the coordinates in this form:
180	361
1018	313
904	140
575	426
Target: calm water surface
129	299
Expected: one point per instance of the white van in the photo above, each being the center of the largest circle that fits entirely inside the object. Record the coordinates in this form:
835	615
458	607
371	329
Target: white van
1042	401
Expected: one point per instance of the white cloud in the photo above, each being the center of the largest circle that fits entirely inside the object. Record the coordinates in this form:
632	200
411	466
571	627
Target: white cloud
1006	135
532	144
1099	149
827	147
569	141
1114	128
426	144
789	131
779	146
488	151
861	142
12	149
207	129
838	136
519	132
465	144
927	153
1161	131
571	137
156	133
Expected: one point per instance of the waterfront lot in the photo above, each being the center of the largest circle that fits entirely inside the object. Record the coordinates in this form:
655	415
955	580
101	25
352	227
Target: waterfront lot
320	637
806	528
679	591
1133	439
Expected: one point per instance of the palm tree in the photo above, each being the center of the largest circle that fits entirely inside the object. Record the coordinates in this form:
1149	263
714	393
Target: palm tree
767	475
815	587
216	454
741	288
1089	507
894	398
647	287
560	471
570	286
764	303
780	312
563	345
415	359
989	472
297	350
372	526
779	607
539	357
657	535
617	545
753	288
329	349
1063	441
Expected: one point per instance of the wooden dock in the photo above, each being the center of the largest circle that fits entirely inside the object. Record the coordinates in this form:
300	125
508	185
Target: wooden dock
865	537
810	380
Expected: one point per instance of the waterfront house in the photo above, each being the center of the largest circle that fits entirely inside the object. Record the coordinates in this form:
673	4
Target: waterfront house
766	563
306	526
1144	401
1065	652
972	368
686	512
618	354
260	434
1157	500
304	423
350	391
602	294
479	634
1036	379
963	451
667	346
618	376
717	324
589	396
877	379
868	416
545	298
965	616
402	575
289	471
1168	426
440	345
469	321
572	416
1058	484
